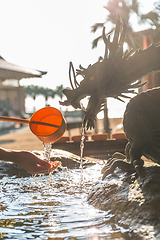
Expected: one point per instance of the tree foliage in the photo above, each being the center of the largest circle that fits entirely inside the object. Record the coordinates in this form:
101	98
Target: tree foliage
125	8
34	91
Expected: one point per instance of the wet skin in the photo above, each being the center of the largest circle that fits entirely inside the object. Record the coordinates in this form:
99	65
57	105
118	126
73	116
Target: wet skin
29	161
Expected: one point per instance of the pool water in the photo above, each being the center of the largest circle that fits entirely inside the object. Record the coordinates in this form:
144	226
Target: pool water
55	207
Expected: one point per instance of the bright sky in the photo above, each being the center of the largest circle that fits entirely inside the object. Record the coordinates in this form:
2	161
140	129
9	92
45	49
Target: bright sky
48	34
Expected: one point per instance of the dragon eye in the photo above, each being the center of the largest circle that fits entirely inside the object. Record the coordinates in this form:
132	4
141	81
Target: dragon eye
92	78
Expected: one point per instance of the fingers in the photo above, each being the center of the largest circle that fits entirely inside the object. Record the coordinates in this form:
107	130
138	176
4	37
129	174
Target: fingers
43	164
46	167
33	164
55	164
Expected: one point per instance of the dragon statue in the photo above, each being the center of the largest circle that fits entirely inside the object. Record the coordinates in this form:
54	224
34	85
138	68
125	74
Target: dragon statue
115	75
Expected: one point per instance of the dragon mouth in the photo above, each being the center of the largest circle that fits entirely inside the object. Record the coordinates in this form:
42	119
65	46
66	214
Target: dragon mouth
72	98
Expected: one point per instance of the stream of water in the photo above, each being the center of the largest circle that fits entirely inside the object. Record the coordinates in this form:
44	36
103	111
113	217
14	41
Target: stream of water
81	153
47	151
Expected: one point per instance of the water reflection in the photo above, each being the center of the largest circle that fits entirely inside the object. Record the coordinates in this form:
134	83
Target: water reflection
54	208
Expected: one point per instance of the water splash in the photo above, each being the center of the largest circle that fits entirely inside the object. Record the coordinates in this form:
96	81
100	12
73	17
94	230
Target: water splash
47	151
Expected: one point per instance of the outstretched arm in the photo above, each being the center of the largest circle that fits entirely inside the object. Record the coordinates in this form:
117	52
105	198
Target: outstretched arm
29	161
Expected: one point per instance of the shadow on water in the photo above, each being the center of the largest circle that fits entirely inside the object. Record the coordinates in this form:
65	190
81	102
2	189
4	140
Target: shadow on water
54	207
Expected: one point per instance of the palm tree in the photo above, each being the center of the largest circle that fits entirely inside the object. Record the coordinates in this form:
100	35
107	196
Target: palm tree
48	93
34	90
124	9
58	91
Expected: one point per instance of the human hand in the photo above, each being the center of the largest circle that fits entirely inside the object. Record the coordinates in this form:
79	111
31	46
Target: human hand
33	164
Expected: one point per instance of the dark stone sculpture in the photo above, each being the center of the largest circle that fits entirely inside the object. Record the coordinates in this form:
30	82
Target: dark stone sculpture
142	129
114	76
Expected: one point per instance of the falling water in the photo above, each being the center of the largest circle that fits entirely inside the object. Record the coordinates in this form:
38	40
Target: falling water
81	149
47	151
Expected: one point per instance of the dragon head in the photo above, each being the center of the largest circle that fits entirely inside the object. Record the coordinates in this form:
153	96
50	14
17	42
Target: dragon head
115	75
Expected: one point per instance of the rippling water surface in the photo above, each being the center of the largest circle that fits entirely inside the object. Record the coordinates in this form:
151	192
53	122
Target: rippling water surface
54	208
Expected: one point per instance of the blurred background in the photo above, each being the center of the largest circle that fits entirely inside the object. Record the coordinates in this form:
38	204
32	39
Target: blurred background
47	35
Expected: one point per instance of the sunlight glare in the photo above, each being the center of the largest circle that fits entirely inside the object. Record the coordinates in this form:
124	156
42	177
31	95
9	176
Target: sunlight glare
93	233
